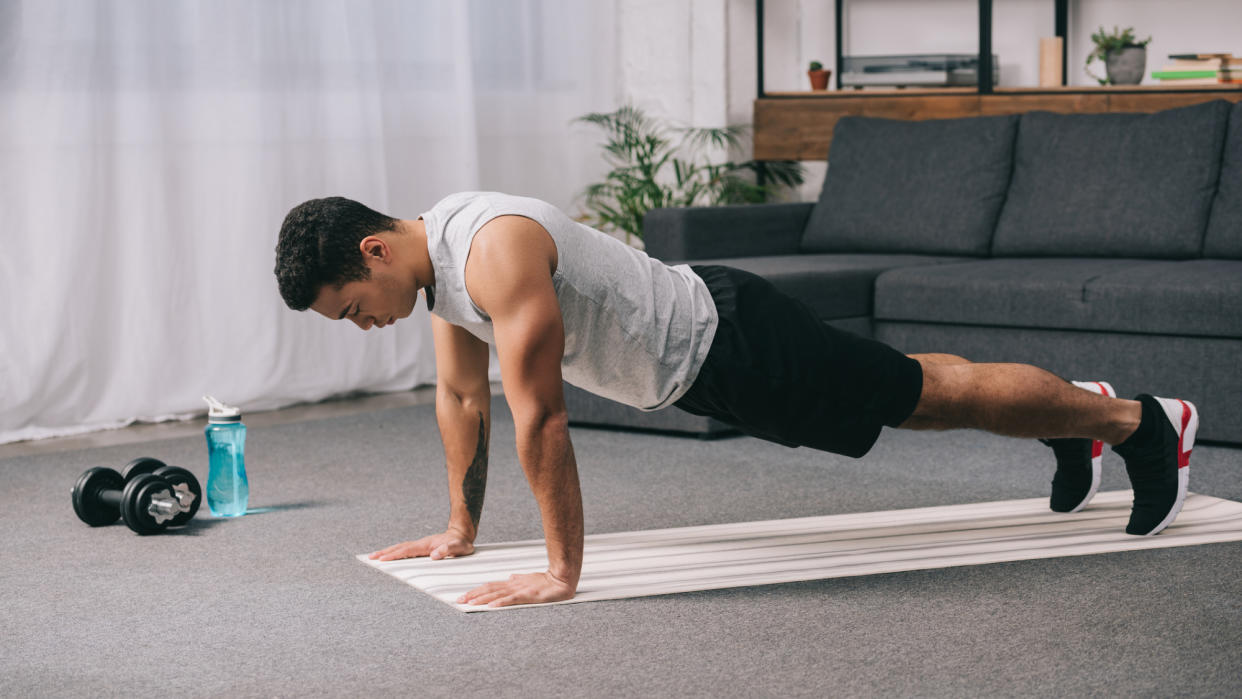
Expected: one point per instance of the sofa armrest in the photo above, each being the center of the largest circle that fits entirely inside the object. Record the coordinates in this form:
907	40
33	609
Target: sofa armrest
745	230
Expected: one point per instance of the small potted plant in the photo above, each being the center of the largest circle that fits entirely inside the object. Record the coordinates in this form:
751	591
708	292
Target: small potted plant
819	76
1124	58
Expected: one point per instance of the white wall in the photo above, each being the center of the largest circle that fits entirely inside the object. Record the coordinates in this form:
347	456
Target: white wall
674	60
681	61
694	60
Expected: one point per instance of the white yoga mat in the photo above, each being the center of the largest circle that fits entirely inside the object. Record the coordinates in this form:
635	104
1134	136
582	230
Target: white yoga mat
664	561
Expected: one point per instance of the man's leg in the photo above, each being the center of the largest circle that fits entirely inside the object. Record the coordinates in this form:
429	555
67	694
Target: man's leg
1153	435
1017	400
1078	461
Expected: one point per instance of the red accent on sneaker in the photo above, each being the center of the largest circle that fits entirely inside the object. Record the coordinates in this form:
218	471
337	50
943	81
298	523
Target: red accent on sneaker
1183	456
1097	447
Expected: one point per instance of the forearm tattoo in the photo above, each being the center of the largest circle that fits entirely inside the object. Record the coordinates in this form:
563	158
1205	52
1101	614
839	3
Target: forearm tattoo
473	485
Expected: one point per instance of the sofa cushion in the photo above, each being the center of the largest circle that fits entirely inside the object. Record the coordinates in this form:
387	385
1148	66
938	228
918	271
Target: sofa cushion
930	187
1192	297
1224	232
1126	185
834	286
742	230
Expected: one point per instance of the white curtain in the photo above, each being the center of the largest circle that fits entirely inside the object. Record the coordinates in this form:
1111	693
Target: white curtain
149	150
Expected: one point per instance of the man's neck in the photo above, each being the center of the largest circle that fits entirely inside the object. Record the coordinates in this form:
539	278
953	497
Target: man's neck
415	233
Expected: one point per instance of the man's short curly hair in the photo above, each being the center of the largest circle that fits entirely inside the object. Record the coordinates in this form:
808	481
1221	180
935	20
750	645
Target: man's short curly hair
318	246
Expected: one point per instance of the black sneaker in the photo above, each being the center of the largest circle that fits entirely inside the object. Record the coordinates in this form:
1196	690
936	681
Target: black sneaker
1158	462
1078	463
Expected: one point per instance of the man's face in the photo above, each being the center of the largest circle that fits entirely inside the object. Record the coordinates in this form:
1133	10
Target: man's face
375	302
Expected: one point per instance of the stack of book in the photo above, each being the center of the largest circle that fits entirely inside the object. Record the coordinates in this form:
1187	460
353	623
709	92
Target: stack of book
1201	69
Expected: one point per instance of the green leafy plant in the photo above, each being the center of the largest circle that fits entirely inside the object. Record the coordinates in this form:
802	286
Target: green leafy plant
816	65
654	166
1106	43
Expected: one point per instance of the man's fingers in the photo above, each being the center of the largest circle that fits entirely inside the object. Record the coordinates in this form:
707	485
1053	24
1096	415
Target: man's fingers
484	599
406	549
506	601
531	588
470	596
437	547
500	594
383	554
473	596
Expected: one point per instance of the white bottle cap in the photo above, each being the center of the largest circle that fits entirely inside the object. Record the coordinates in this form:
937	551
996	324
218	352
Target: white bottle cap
219	412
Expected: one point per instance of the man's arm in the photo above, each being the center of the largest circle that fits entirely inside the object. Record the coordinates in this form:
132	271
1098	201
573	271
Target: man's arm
463	412
509	275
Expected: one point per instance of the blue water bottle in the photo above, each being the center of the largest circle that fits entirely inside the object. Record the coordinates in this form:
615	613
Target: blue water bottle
228	491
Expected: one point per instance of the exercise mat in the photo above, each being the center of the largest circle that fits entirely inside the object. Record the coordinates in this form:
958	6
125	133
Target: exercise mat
665	561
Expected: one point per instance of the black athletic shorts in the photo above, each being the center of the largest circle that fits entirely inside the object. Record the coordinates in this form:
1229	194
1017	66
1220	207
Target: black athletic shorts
777	372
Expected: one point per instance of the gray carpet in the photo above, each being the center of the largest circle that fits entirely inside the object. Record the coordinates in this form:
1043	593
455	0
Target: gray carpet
273	603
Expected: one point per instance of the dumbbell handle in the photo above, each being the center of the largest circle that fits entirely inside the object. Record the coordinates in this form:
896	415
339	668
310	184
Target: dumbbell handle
111	498
161	507
164	509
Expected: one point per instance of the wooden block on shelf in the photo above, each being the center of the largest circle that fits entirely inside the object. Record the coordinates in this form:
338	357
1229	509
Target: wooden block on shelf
1050	61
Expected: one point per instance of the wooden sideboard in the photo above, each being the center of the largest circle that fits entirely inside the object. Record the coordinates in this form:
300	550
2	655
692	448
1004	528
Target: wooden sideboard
798	125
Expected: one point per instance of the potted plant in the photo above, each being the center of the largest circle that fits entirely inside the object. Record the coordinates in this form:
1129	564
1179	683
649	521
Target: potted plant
1124	58
641	154
819	76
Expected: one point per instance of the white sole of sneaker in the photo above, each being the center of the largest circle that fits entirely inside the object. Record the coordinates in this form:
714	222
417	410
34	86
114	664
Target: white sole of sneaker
1185	418
1097	447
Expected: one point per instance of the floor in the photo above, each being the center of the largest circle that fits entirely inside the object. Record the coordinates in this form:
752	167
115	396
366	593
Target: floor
275	604
148	432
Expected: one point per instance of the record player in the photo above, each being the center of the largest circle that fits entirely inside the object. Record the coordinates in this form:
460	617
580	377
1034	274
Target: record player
915	70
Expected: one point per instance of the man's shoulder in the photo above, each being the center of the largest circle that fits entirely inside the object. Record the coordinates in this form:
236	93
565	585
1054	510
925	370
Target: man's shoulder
509	239
469	211
458	199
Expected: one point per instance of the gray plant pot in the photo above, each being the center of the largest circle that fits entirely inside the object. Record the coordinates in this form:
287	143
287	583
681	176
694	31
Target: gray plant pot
1125	66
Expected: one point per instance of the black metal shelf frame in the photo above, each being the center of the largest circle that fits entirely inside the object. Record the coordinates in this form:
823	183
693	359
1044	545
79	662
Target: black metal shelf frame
985	42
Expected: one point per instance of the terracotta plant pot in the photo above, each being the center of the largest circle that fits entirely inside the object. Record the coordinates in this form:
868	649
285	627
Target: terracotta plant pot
819	79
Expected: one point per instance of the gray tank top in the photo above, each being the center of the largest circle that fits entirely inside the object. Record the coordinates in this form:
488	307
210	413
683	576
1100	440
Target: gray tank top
636	330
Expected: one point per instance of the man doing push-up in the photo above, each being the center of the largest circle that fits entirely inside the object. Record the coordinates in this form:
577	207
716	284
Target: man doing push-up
562	301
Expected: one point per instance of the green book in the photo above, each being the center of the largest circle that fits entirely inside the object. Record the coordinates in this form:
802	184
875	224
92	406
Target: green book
1182	74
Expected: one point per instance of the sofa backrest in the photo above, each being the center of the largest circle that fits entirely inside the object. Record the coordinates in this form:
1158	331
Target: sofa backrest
1224	232
1126	185
931	186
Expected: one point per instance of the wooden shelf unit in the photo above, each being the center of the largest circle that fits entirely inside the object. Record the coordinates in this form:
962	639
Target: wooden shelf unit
798	125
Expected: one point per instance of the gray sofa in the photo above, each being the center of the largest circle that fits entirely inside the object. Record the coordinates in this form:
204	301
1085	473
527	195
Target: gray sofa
1099	246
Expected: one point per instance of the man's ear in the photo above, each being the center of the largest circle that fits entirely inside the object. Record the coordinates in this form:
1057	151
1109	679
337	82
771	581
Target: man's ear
373	247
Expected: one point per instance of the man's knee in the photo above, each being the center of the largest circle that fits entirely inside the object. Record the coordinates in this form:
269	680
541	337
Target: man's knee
943	386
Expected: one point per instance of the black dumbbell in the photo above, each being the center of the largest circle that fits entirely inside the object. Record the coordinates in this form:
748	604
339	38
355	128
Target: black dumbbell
185	485
149	497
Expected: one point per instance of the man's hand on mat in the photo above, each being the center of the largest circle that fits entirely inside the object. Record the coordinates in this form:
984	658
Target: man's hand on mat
526	588
447	545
